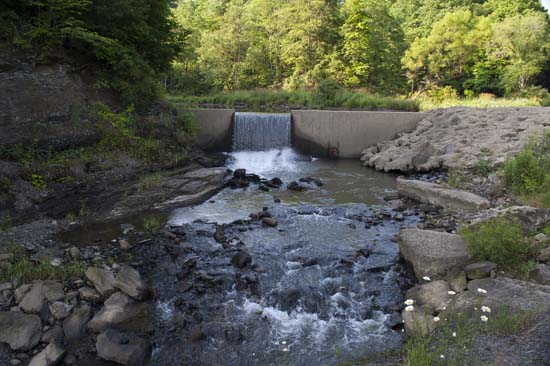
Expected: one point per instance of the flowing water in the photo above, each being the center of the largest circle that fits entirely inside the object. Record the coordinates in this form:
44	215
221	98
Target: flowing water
325	286
261	131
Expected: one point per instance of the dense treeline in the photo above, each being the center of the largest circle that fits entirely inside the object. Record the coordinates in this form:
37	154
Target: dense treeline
385	46
132	41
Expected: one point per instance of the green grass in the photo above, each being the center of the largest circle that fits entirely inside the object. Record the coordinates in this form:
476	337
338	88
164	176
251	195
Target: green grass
427	104
286	100
504	322
150	182
152	223
25	270
500	240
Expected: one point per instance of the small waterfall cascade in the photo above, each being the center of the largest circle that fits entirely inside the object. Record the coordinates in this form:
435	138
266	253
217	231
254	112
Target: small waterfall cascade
261	131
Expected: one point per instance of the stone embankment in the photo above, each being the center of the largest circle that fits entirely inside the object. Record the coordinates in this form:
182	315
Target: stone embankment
458	138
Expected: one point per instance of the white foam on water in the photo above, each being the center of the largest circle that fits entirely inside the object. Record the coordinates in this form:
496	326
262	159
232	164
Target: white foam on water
165	310
268	163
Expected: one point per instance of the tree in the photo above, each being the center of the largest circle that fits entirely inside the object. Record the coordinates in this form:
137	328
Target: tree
523	42
372	45
501	9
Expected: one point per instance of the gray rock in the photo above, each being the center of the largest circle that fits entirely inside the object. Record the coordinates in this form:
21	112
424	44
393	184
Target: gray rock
125	349
74	326
60	310
129	281
438	195
36	298
20	331
21	291
479	270
74	252
102	280
124	244
55	333
51	355
15	362
434	295
541	274
89	294
69	359
541	238
418	322
433	253
516	295
118	311
457	281
544	255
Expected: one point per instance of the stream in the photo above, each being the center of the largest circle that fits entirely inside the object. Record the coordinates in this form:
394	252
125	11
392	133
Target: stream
322	287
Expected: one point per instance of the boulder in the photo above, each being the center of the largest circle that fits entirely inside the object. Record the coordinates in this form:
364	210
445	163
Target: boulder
531	219
74	326
21	291
434	295
103	280
295	186
89	294
541	274
457	281
418	322
119	311
130	282
55	333
122	348
433	253
502	291
60	310
438	195
20	331
479	270
49	356
39	294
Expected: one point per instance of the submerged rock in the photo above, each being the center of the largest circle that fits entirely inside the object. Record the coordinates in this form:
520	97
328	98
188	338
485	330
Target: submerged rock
269	221
295	186
20	331
241	259
438	195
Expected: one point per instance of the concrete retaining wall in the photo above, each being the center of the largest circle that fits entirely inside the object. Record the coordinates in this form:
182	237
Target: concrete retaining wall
215	128
345	134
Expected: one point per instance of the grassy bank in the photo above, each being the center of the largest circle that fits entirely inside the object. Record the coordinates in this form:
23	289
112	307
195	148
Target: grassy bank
286	100
427	104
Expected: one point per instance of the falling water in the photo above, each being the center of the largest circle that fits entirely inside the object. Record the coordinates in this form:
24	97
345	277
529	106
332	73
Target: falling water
261	131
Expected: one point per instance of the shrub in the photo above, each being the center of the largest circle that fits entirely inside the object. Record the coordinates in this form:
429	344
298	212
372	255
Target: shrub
499	240
328	90
151	224
528	174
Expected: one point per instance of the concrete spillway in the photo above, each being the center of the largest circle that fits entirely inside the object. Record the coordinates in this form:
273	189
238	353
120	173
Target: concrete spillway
261	131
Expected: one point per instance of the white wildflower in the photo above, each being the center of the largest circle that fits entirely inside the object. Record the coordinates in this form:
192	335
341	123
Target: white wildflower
442	356
486	309
283	342
481	291
285	349
452	293
436	319
454	334
409	302
409	308
484	318
426	278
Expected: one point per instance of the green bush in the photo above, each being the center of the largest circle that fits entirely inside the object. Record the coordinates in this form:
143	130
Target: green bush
499	240
528	174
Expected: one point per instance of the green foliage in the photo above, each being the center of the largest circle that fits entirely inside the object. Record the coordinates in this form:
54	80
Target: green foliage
38	181
501	241
328	90
286	100
132	40
150	182
484	165
152	224
528	174
25	270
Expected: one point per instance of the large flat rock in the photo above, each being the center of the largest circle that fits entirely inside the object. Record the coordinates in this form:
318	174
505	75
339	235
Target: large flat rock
502	291
433	253
438	195
20	331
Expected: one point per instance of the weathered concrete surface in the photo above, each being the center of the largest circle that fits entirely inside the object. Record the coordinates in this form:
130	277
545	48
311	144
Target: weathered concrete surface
433	253
215	128
348	132
441	196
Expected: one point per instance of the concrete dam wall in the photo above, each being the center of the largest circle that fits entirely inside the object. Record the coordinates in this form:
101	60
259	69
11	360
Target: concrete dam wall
338	134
